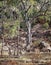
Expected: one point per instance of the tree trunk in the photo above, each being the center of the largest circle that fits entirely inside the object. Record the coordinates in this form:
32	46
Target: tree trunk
2	37
29	35
18	35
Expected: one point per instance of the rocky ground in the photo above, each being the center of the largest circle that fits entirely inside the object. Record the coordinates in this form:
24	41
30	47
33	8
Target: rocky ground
38	54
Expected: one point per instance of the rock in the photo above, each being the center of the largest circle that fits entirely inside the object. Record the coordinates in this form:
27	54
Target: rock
23	51
23	39
47	33
37	50
44	46
5	48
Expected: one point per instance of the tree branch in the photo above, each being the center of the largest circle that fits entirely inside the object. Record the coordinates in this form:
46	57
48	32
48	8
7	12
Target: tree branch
23	4
40	14
28	8
43	5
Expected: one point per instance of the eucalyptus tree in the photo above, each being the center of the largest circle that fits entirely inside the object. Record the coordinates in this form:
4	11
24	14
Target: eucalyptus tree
29	11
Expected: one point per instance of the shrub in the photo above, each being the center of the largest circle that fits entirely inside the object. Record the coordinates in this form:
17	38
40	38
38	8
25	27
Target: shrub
46	25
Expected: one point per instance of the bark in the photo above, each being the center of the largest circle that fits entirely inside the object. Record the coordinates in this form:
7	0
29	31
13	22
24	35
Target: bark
29	35
18	35
2	36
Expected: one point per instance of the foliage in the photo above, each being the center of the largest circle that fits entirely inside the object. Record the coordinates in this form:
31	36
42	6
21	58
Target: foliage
25	10
13	29
46	25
